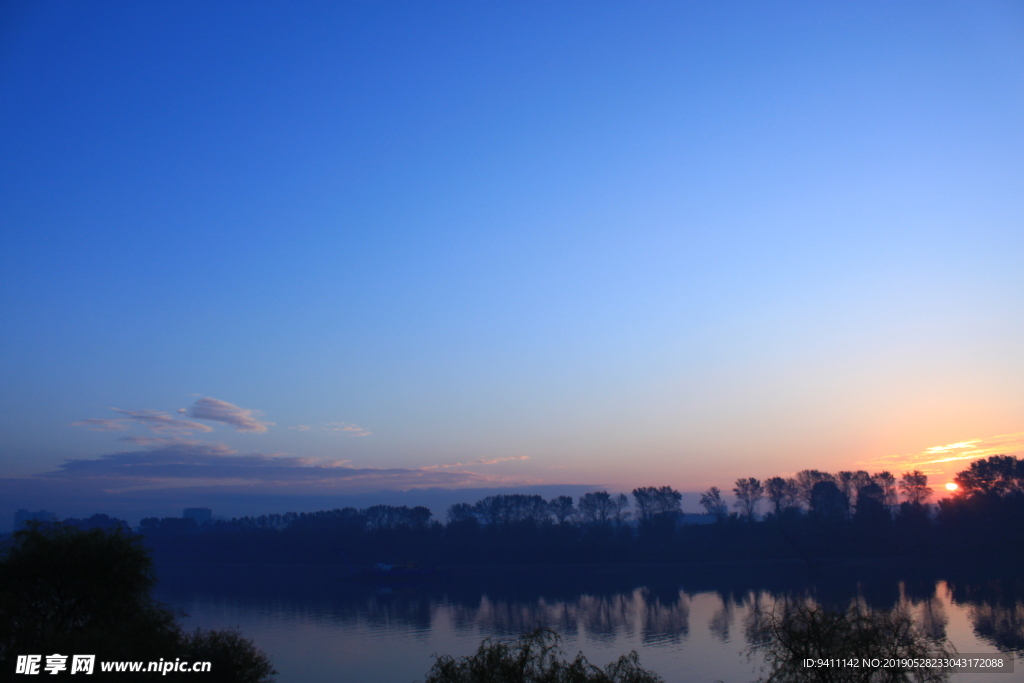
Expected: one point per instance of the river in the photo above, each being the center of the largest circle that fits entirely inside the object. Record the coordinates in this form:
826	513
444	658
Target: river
687	623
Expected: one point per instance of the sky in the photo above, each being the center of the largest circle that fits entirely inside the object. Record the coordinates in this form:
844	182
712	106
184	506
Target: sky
279	250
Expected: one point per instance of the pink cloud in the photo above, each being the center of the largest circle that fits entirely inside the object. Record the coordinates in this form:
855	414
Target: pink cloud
215	410
344	428
178	462
102	425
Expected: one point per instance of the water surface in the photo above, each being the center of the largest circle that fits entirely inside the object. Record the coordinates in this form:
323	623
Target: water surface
688	624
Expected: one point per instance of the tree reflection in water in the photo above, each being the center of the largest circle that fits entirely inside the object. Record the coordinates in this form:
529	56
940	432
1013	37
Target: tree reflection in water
721	620
662	617
996	607
933	619
666	616
656	609
1000	625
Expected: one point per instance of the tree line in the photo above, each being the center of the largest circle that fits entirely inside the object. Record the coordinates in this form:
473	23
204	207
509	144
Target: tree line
809	515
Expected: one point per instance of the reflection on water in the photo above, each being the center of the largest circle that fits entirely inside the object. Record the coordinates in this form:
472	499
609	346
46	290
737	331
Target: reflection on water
996	609
1001	625
687	624
722	620
665	621
932	618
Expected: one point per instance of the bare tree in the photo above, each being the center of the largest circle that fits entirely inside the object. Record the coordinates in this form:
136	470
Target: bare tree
512	508
601	507
490	510
860	480
781	492
888	483
652	502
845	482
620	508
534	657
711	500
562	508
850	483
461	512
748	493
380	517
914	486
805	481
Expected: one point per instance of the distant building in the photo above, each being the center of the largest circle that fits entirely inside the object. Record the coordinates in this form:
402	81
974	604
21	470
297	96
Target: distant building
22	516
199	514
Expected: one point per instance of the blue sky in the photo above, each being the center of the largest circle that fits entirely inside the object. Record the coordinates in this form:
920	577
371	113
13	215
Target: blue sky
525	243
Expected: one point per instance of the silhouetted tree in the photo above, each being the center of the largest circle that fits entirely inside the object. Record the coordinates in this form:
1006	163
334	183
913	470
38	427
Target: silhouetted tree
490	510
711	501
914	486
389	517
72	591
601	508
846	482
828	502
512	508
782	493
653	502
97	521
534	658
60	582
531	509
620	508
988	510
872	514
887	481
228	653
562	508
850	483
998	474
461	512
913	522
805	481
748	492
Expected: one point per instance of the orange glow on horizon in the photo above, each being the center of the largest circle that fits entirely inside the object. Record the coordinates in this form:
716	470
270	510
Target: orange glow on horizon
943	463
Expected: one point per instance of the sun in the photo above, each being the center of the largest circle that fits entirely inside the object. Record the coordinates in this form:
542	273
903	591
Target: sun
951	486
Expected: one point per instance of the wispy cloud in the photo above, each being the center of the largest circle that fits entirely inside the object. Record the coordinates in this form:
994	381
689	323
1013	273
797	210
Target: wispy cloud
495	461
182	462
959	446
153	441
347	429
482	461
942	460
102	425
215	410
344	428
161	423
